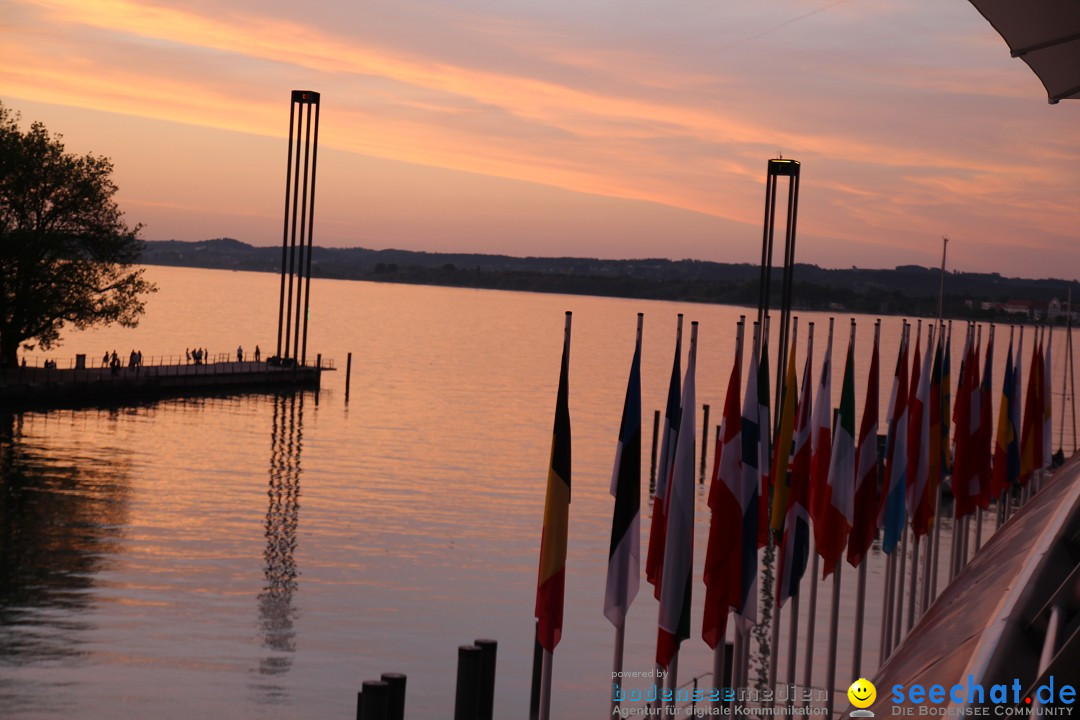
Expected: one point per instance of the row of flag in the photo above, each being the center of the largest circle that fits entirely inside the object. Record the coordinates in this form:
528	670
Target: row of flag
816	476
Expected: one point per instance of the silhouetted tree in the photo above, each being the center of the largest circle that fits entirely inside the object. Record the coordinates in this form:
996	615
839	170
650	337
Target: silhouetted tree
66	255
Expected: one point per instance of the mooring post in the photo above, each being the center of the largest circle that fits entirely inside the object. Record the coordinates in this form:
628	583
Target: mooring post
395	695
704	443
467	697
318	360
486	710
374	699
348	374
652	466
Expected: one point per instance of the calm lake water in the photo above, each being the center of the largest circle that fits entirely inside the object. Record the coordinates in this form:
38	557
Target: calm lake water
261	556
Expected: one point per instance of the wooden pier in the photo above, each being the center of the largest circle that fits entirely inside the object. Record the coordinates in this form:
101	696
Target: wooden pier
40	387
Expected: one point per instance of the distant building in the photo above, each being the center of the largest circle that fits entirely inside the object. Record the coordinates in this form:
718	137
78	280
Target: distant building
1031	309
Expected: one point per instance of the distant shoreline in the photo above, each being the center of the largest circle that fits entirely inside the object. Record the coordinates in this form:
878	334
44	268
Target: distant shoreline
905	290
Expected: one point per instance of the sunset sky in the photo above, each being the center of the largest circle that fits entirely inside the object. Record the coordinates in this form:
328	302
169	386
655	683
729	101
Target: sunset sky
611	128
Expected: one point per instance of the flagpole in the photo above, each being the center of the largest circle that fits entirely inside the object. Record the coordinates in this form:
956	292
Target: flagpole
793	625
914	581
941	292
954	565
834	624
793	640
986	466
938	514
860	593
721	476
545	686
719	661
886	608
1065	371
964	540
924	596
545	672
616	672
834	615
898	597
860	612
1003	500
1071	366
929	594
672	679
625	560
913	590
895	433
811	619
678	546
793	328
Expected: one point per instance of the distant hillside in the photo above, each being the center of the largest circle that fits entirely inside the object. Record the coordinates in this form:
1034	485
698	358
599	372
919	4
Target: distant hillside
908	289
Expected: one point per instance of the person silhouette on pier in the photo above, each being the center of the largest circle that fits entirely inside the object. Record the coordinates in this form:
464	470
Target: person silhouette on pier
239	353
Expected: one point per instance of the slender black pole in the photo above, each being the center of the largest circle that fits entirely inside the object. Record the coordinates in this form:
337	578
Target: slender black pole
538	654
292	235
766	249
300	271
652	464
704	443
311	229
348	374
285	230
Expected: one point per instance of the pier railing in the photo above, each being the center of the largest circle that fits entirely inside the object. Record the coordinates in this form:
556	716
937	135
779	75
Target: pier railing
82	369
84	362
76	381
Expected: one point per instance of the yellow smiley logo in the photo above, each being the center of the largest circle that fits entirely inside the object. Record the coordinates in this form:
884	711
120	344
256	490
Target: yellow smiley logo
862	693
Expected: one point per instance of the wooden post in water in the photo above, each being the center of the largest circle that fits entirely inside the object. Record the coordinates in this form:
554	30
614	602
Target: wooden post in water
374	700
395	695
348	375
652	465
467	695
704	443
488	650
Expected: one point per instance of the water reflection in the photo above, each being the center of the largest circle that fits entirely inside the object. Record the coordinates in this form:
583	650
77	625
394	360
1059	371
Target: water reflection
276	611
60	521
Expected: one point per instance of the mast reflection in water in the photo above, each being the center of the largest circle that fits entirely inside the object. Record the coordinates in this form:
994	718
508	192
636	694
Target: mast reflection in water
276	611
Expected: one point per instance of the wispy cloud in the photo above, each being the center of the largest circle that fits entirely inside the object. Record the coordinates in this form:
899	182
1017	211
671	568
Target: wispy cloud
676	105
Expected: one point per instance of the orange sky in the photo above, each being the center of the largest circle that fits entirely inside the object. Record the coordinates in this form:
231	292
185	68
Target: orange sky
615	128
